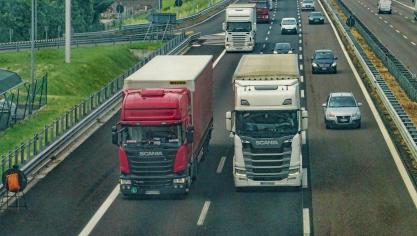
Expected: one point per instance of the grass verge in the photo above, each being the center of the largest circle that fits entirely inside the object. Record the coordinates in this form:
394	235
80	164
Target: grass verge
89	70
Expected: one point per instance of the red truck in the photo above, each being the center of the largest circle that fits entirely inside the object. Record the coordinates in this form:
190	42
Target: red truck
262	10
165	124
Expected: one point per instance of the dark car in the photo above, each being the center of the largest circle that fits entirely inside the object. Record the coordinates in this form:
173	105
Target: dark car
283	48
324	61
316	17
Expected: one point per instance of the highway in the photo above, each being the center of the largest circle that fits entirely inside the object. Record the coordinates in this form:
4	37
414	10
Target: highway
398	32
353	185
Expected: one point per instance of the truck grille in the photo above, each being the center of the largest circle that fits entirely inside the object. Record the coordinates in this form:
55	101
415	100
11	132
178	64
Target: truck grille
267	164
151	171
238	40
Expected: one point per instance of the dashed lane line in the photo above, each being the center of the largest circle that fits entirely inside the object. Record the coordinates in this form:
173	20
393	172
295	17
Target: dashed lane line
221	165
302	92
203	213
305	180
306	221
413	43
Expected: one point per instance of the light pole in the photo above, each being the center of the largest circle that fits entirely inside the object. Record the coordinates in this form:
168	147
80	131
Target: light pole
32	55
67	31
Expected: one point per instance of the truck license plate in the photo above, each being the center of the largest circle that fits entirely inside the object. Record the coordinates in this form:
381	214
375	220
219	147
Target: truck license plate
155	192
267	183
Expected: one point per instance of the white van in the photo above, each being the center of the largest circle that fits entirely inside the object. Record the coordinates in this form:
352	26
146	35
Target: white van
384	6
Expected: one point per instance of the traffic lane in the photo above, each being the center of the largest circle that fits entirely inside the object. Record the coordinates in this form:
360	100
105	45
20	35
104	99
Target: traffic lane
276	211
61	202
356	188
394	41
165	216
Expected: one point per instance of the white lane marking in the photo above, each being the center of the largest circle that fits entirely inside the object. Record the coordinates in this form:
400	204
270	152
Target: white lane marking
305	176
300	41
263	46
405	5
400	13
203	213
306	221
266	39
397	31
380	18
219	58
376	14
270	27
406	17
221	165
271	22
413	43
300	57
300	49
268	32
100	212
301	67
391	147
300	35
404	36
302	79
391	26
302	92
386	22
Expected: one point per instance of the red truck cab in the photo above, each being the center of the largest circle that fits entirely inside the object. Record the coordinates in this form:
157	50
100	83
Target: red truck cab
165	126
262	10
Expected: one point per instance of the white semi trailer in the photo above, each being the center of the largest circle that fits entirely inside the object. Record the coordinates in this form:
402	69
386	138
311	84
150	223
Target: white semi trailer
240	27
268	123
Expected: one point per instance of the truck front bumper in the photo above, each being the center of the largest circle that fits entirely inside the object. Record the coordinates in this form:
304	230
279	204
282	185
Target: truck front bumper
132	187
232	48
292	181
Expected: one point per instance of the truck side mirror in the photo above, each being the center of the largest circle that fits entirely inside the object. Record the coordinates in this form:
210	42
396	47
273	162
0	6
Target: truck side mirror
254	27
229	121
224	26
304	116
114	135
190	134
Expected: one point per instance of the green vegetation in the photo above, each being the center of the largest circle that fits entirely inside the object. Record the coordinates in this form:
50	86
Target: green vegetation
90	69
188	8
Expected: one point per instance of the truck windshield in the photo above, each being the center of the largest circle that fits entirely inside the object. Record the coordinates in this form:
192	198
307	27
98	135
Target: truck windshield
267	123
155	134
239	26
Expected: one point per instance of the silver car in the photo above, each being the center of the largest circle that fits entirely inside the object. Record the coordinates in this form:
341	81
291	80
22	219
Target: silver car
308	5
342	110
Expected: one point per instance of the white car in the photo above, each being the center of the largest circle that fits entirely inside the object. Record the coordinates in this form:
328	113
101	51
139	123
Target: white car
342	110
289	25
308	5
384	6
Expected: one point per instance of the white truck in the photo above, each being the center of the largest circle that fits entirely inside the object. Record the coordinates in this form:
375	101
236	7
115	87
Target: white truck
268	123
240	27
384	6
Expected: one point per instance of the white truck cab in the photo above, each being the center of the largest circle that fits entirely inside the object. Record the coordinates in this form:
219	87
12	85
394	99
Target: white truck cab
385	6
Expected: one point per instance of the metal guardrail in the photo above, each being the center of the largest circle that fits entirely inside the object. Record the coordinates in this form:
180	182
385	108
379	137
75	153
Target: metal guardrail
400	118
405	77
76	42
55	136
127	33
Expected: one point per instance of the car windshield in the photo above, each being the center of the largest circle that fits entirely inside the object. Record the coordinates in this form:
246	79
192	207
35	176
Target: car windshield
316	14
308	1
342	101
261	5
239	26
282	46
288	22
324	55
267	123
154	134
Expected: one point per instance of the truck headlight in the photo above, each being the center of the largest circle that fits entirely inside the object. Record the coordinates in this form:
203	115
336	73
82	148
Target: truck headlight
179	181
240	171
125	182
294	171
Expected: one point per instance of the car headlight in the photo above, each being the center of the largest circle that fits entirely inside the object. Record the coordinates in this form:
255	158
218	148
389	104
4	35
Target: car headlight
330	115
334	64
321	18
180	181
356	115
314	64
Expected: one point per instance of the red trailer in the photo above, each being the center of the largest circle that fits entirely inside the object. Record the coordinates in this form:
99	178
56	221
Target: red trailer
165	124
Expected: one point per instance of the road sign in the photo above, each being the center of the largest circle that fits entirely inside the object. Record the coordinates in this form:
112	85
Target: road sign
120	9
164	18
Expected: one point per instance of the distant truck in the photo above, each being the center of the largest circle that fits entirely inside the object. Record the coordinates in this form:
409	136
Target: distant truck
268	122
165	124
384	6
240	27
262	10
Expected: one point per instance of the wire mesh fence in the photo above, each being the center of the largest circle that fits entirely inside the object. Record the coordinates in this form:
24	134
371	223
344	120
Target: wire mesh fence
18	103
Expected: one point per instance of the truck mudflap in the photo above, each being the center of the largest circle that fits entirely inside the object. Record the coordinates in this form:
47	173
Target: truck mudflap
129	186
